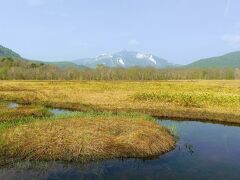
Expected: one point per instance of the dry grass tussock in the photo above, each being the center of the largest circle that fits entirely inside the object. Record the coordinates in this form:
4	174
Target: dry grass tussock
86	138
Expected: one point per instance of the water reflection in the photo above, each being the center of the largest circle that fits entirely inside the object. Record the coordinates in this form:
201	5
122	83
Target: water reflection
13	105
189	147
54	111
57	112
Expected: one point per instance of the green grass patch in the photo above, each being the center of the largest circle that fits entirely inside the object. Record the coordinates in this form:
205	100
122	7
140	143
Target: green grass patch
189	99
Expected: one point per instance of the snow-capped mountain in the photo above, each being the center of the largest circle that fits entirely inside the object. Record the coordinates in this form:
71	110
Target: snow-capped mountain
125	59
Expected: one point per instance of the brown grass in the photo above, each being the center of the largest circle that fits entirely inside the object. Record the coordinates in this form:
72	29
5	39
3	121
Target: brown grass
197	100
86	138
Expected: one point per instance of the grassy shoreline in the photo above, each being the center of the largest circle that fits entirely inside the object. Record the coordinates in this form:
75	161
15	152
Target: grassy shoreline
85	137
28	132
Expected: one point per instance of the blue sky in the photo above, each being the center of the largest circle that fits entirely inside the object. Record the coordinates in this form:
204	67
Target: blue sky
179	30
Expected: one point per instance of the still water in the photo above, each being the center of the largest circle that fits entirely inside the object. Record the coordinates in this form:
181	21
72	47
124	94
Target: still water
204	151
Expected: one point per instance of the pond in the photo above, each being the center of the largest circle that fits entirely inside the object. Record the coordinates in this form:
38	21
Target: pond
12	105
204	151
54	111
57	112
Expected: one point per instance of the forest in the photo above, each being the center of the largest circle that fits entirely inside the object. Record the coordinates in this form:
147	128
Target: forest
18	69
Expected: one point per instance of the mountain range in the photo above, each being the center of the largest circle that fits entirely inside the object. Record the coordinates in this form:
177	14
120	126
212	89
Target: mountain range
131	58
125	59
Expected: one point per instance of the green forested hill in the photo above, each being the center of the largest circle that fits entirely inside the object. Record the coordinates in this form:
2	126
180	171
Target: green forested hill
231	60
5	52
63	64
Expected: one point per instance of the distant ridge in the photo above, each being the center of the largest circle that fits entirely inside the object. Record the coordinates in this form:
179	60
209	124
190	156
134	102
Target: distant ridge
120	59
6	52
230	60
62	64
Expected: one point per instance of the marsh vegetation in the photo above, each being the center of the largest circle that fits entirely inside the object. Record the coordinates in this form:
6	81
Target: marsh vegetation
202	100
79	136
110	119
202	151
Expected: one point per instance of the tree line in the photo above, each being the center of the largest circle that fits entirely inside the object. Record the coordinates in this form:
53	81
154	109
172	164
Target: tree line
14	69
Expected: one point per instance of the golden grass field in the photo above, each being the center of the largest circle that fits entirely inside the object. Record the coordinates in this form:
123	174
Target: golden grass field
201	100
110	125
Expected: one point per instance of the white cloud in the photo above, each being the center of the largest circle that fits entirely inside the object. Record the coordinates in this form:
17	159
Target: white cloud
133	42
232	39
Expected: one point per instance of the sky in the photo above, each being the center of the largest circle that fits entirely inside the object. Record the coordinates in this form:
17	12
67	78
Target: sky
180	31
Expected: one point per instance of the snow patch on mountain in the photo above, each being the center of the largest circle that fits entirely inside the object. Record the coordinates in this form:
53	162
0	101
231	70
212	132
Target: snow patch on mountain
152	59
146	56
120	61
140	56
